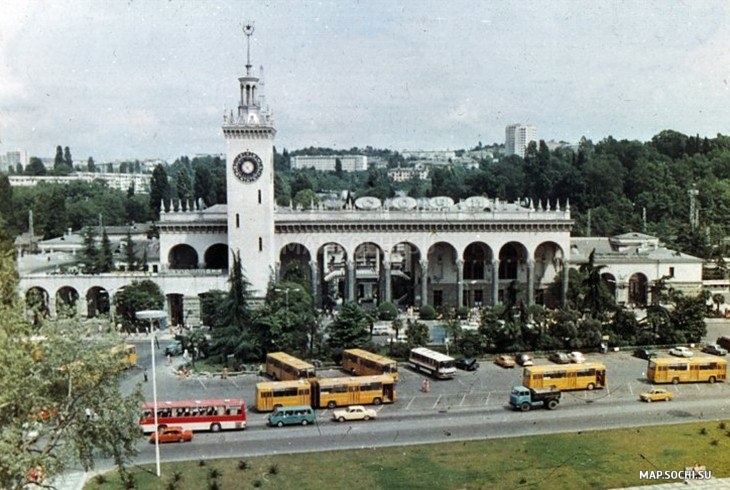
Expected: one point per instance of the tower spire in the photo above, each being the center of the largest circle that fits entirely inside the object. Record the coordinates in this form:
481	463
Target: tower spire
248	32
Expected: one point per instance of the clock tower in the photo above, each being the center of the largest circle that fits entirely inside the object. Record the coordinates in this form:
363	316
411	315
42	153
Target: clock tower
249	134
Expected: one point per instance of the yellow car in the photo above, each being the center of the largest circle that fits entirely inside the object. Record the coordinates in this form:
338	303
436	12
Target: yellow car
505	361
656	394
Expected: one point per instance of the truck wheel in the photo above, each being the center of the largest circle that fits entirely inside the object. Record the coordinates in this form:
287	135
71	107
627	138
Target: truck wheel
280	424
525	407
552	404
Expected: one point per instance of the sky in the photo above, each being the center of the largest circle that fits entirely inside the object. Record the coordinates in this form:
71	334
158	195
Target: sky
131	79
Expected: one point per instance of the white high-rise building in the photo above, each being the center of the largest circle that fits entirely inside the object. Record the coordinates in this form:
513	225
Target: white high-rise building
517	137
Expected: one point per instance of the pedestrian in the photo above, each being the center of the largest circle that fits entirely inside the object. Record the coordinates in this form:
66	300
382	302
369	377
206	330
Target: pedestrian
186	356
145	375
169	359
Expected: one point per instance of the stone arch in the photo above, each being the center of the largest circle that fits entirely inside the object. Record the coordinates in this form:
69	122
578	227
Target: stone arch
549	262
67	301
37	303
442	275
638	289
368	258
97	302
405	258
513	258
294	264
216	256
332	268
477	268
182	256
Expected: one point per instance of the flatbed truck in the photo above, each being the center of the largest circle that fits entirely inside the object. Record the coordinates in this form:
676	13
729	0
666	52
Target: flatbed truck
525	399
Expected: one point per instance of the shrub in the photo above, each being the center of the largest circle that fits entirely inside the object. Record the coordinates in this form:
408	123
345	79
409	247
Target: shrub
427	312
462	312
387	311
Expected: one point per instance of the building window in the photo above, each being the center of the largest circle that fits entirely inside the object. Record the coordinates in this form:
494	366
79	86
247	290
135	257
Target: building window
238	220
259	196
261	244
671	272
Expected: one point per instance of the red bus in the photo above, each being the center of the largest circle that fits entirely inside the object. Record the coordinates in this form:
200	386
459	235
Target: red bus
197	415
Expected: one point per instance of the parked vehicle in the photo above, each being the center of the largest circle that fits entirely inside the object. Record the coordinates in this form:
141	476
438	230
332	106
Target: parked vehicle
505	361
680	351
380	329
467	364
524	360
645	354
525	399
714	349
354	412
724	342
174	349
172	433
577	357
296	415
656	394
559	358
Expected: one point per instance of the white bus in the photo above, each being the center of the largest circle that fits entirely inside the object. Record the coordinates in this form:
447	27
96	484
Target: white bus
434	363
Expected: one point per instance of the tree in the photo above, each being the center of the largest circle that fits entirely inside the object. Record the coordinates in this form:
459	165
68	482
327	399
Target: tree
184	188
67	158
138	296
234	336
417	333
105	261
349	328
46	397
90	254
129	257
159	191
90	165
35	167
305	199
59	165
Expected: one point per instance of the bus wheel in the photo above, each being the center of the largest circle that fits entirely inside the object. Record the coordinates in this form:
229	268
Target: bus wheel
304	422
590	386
377	401
280	424
215	428
525	407
675	381
331	404
712	379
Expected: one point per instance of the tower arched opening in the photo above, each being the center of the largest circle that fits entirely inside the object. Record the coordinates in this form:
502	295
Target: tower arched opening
97	302
216	257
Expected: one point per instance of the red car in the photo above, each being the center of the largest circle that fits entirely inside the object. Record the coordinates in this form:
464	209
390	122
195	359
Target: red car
172	434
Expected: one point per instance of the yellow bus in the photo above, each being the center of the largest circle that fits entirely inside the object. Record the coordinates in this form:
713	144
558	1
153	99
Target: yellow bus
360	362
282	366
566	377
272	394
698	369
127	353
353	390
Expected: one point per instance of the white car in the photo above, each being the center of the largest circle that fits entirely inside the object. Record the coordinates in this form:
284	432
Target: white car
354	412
577	357
680	351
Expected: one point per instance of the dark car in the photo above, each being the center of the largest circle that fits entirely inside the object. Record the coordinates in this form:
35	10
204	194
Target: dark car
467	364
173	349
559	358
714	349
645	354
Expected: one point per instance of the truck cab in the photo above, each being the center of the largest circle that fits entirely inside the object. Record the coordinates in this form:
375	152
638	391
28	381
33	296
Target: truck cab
524	398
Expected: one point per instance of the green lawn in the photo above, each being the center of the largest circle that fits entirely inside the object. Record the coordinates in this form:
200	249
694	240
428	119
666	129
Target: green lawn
597	459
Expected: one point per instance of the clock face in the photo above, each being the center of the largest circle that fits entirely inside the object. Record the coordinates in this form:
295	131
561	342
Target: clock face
247	166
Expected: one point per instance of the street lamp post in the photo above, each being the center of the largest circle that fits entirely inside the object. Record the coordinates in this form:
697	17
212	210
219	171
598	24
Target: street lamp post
152	315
